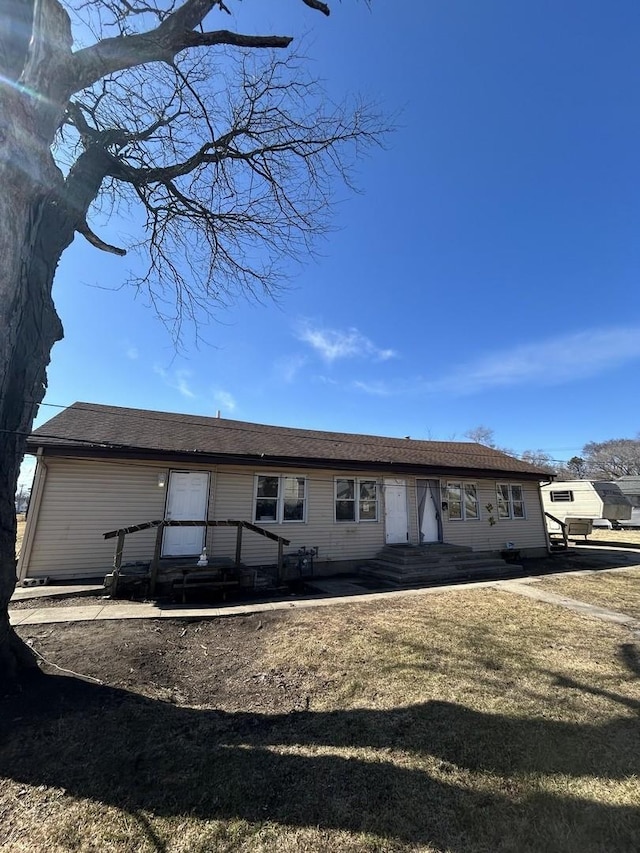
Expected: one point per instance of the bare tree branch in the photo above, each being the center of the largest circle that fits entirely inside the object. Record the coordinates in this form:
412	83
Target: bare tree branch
175	33
318	5
110	55
93	238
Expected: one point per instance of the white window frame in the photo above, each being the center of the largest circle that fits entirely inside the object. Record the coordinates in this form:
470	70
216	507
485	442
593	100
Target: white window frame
462	485
511	502
280	499
357	501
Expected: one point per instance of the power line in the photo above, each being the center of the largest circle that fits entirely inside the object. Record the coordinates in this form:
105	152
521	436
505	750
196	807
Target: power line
324	436
170	417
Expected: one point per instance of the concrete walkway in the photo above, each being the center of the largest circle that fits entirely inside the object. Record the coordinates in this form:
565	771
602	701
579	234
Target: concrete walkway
112	610
27	593
529	590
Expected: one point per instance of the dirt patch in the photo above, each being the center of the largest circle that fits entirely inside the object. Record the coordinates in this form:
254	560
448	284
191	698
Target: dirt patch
212	663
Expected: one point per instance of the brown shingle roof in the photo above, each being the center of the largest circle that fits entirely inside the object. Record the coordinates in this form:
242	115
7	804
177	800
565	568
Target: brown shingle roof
93	427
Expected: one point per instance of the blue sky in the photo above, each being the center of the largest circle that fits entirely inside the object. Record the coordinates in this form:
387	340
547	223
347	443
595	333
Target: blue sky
487	273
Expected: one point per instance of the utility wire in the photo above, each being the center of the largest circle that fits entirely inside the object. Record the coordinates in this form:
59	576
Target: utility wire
169	418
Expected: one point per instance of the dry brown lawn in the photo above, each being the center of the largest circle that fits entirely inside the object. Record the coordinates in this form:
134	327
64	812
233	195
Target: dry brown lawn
619	590
466	722
615	537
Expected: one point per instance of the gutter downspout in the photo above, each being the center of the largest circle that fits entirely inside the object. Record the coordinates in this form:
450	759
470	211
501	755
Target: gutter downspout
542	512
32	515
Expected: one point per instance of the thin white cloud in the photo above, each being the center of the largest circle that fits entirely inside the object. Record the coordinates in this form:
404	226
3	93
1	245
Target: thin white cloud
334	344
286	369
128	349
377	389
225	400
554	361
178	380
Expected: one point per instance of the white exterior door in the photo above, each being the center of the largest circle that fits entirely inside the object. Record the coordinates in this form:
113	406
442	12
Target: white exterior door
396	520
186	501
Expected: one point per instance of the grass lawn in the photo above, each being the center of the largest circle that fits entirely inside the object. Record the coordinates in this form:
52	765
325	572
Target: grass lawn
614	537
461	721
615	590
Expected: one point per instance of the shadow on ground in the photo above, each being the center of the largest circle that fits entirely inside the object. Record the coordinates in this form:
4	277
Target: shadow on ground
135	753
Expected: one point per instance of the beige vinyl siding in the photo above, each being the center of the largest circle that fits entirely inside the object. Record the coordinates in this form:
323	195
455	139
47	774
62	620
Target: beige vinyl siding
83	499
480	535
234	498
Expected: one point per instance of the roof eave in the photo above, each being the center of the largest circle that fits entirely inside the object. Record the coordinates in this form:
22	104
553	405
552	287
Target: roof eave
128	452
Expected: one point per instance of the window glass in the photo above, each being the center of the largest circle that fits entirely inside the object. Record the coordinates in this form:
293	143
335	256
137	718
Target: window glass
368	510
266	510
345	500
268	487
455	501
280	498
356	500
503	501
294	494
470	501
345	490
510	500
517	499
345	511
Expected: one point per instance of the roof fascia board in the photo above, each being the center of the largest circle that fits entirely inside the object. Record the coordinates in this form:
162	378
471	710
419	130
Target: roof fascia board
97	452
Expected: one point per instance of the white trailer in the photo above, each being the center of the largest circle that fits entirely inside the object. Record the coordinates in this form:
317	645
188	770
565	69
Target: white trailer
630	486
599	500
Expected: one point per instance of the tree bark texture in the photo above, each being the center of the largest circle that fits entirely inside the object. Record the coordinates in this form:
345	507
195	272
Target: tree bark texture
33	234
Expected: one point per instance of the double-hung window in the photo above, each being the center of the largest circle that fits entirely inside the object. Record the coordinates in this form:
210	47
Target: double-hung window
463	501
280	498
356	500
510	500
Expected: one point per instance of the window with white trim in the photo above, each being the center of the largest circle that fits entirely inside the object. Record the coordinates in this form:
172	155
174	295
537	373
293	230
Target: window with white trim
356	500
462	499
279	498
510	500
565	496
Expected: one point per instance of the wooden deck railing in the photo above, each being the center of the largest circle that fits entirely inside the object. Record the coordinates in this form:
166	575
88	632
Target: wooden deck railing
122	532
563	528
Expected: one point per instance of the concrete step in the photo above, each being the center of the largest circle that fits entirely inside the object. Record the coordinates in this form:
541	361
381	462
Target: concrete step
470	560
448	571
418	553
466	561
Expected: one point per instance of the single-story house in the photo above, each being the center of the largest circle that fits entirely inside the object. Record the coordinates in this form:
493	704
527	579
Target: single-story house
102	468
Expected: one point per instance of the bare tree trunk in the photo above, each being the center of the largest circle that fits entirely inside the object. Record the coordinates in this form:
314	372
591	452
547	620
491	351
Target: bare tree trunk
30	327
35	228
33	235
